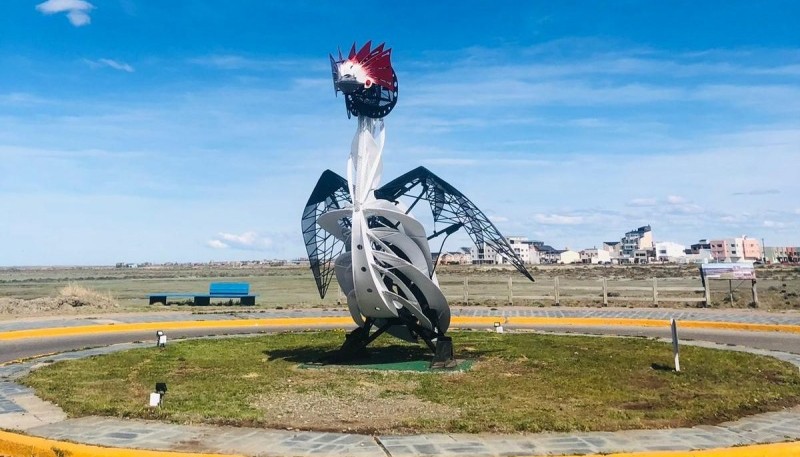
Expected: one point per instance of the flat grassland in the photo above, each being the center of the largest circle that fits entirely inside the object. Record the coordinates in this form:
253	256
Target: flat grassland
293	286
520	382
25	290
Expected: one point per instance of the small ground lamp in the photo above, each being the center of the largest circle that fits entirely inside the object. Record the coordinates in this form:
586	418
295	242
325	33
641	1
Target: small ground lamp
161	339
158	396
498	327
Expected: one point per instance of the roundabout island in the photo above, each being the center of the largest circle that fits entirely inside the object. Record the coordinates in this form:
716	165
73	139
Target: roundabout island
503	405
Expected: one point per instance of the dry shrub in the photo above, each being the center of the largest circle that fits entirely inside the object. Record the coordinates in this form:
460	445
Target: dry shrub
70	299
76	295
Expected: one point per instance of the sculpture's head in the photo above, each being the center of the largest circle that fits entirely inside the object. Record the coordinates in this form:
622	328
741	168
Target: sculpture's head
367	80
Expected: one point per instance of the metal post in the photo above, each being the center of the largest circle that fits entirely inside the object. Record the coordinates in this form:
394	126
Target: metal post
555	291
510	292
730	290
755	294
707	288
675	350
655	291
466	291
605	292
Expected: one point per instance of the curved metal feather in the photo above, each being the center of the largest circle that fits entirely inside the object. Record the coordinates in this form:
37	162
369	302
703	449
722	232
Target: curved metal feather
450	206
330	193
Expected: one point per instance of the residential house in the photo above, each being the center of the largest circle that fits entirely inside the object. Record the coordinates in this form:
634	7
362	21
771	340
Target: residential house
460	257
566	256
614	248
595	256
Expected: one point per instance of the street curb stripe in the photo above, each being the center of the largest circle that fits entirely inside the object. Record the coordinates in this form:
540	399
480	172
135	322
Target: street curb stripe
346	322
16	445
757	450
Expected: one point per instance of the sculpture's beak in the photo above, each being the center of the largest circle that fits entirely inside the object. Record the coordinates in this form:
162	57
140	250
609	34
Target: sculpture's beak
348	84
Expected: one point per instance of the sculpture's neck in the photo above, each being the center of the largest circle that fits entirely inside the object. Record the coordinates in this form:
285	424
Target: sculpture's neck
365	163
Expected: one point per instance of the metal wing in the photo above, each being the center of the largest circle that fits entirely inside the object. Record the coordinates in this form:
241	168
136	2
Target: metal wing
330	193
450	206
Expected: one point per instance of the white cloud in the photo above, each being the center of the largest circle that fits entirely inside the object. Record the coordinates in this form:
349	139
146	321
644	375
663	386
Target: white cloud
115	64
675	200
557	219
642	202
774	224
77	10
246	241
498	219
216	244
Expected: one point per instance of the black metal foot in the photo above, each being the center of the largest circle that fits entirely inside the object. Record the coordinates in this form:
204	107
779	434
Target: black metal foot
444	357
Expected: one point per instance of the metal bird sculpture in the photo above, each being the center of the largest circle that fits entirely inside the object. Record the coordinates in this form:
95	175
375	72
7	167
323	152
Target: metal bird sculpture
365	234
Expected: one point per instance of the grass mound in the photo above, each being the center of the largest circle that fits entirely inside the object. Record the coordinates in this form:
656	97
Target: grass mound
520	382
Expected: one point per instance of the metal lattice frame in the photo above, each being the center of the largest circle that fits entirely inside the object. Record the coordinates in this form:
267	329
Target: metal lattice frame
375	102
331	192
450	206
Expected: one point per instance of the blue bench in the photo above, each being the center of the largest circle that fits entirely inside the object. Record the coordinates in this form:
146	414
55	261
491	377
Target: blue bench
240	290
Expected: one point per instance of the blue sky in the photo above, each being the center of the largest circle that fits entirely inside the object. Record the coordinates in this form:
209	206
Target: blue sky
135	130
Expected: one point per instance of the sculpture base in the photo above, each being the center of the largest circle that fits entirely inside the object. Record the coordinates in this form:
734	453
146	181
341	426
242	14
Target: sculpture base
356	342
443	357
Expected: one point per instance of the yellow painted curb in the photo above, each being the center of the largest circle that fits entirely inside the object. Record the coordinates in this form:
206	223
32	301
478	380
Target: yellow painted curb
625	322
15	445
346	322
758	450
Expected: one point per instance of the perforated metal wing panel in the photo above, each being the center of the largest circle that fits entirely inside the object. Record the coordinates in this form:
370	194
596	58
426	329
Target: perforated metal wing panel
331	192
451	206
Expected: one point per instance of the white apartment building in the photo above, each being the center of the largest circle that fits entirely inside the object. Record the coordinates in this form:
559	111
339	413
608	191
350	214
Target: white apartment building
667	251
525	249
595	256
569	256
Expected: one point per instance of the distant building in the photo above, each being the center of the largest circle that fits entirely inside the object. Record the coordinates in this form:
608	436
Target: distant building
460	257
782	254
667	251
699	246
525	249
736	249
568	256
637	246
547	253
595	256
614	248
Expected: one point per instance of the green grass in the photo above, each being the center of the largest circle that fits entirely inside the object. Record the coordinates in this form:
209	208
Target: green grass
521	382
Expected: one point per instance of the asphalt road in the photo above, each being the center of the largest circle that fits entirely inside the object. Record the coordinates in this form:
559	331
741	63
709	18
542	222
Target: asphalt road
31	347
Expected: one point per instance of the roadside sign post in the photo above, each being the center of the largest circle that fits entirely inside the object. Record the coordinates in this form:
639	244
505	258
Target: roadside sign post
731	271
675	349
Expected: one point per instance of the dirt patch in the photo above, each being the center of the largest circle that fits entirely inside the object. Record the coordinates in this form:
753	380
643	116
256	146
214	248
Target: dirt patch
364	409
70	299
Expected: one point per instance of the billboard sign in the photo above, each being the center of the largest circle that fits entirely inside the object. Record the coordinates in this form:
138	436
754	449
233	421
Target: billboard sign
735	270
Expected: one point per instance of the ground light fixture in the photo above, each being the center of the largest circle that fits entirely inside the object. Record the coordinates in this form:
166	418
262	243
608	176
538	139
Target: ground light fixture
158	396
498	327
161	339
